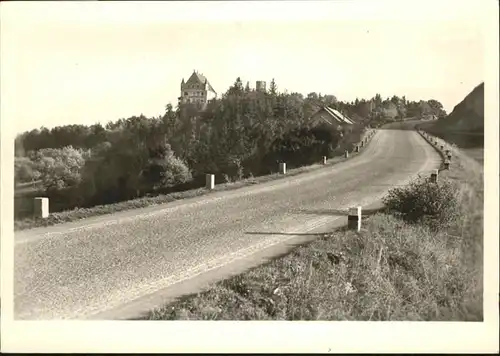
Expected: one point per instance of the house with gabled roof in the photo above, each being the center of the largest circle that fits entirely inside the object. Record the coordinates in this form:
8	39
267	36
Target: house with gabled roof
197	90
332	117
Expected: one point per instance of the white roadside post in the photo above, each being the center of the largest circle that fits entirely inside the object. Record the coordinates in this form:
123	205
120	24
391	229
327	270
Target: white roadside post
434	176
354	219
41	207
210	181
448	154
346	153
282	168
324	159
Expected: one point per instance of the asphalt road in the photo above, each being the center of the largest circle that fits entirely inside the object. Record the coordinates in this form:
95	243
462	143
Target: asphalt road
95	267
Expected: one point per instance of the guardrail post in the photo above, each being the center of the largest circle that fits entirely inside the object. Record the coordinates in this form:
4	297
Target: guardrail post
346	153
354	219
434	176
362	143
324	159
41	207
210	181
282	168
356	149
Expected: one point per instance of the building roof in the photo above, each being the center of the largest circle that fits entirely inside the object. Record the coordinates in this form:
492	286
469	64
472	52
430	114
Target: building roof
197	78
340	116
335	116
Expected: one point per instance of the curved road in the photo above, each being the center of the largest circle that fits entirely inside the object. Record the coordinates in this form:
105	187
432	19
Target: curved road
99	267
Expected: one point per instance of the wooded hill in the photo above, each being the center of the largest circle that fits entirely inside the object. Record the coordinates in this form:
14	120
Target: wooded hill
244	133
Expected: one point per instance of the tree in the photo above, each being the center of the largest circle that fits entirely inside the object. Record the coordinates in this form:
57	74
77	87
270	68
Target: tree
390	110
236	88
312	96
273	88
24	170
395	100
436	108
166	170
19	146
59	167
330	100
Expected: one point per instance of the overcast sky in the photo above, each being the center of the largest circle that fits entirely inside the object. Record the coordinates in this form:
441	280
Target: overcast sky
84	62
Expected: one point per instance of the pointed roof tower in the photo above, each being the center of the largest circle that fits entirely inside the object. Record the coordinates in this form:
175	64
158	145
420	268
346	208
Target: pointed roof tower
197	78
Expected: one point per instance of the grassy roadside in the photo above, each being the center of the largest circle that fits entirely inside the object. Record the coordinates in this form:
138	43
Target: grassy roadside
391	270
471	143
83	213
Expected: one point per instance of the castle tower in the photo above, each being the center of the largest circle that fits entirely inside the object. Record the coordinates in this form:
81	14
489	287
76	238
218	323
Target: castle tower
196	90
260	85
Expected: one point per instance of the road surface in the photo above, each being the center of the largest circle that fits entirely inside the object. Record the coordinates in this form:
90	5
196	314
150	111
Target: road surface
99	267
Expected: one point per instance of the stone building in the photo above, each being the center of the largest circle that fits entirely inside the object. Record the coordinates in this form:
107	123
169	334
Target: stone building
260	85
196	90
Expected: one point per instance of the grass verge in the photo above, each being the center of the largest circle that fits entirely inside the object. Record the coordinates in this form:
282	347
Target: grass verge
391	270
471	143
83	213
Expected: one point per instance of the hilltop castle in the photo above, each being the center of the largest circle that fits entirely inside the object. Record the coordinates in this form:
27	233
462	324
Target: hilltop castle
196	90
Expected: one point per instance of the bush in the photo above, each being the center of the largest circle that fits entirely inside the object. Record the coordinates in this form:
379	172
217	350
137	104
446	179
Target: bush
24	170
434	204
59	167
391	271
175	171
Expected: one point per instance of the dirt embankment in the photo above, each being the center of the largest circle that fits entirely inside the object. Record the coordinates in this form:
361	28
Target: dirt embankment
468	115
464	127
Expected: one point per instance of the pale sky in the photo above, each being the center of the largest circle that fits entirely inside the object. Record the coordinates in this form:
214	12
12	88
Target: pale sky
87	62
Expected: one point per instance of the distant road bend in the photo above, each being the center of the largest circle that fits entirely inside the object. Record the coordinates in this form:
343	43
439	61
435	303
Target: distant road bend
117	265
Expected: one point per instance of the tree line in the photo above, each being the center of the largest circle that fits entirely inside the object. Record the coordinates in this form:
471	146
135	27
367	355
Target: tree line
242	134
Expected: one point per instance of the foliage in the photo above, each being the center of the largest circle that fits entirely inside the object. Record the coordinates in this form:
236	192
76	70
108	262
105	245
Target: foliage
137	160
392	271
243	131
59	167
166	170
435	204
389	271
24	170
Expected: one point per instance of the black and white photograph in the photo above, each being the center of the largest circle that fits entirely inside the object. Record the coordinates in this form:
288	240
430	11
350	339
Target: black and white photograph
311	163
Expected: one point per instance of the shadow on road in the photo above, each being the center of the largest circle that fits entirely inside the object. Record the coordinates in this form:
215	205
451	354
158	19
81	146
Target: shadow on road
336	212
286	233
330	212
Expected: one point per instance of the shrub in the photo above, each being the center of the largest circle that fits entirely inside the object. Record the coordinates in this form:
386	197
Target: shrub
24	170
59	167
434	204
175	171
226	178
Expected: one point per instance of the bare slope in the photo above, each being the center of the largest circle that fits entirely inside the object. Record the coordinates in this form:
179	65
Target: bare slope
468	115
464	127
